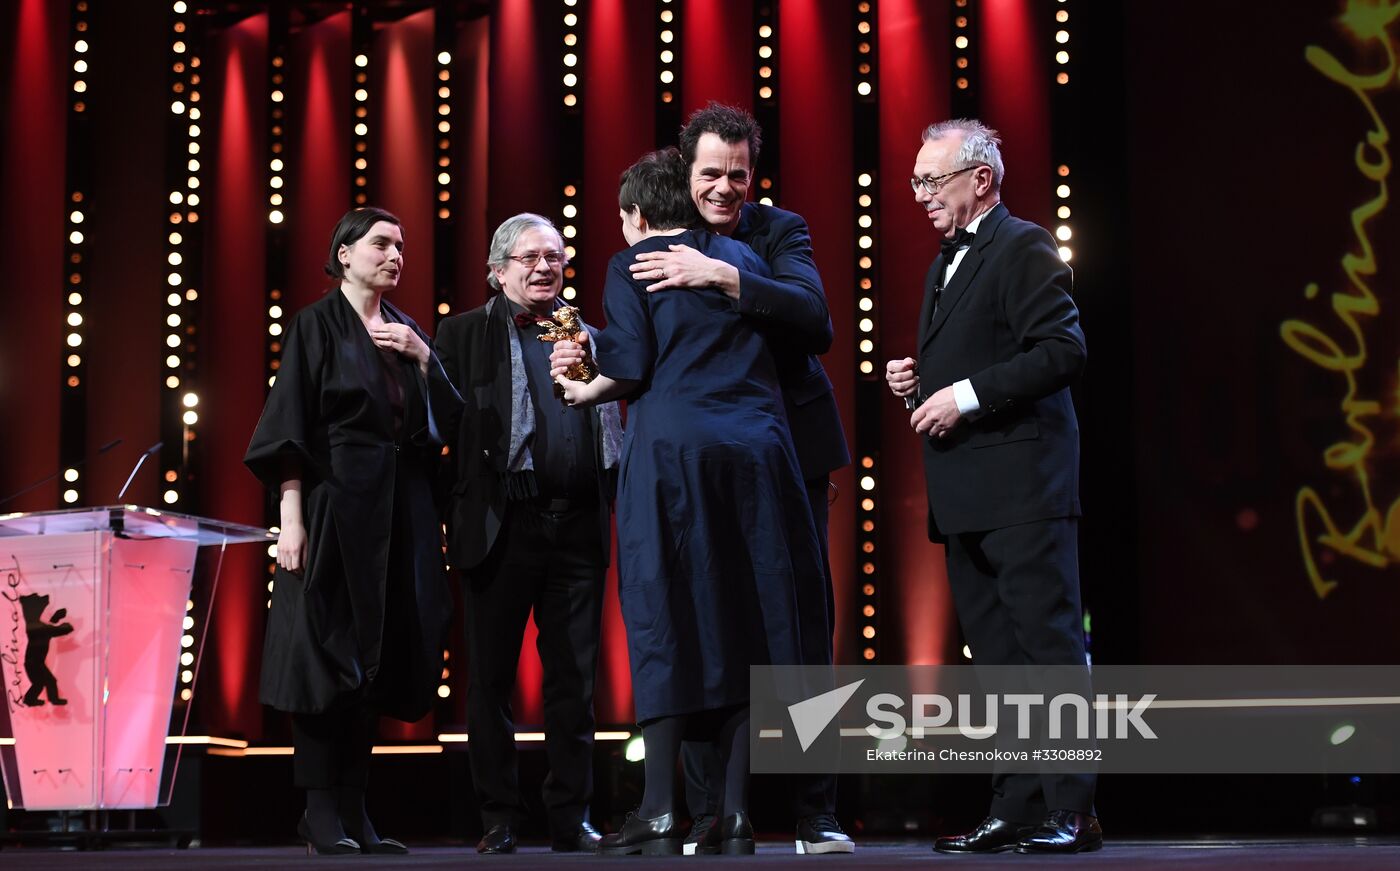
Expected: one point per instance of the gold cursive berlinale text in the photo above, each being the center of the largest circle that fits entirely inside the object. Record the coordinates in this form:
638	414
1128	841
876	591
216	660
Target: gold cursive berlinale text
1374	538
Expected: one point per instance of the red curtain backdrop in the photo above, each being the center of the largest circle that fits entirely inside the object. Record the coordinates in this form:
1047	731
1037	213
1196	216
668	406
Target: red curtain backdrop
403	130
319	124
126	286
815	111
35	89
232	395
1015	44
471	124
716	42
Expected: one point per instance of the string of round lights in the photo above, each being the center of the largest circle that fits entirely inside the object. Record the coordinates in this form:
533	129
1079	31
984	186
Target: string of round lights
73	399
572	137
765	85
181	398
869	386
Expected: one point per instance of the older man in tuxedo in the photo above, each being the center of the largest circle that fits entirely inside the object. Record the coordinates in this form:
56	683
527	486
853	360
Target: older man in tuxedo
999	346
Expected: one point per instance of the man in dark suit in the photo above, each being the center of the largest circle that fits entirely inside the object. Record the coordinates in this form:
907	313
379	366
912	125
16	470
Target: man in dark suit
721	144
528	528
999	346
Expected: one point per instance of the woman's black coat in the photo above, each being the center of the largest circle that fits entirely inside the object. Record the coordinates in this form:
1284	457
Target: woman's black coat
328	419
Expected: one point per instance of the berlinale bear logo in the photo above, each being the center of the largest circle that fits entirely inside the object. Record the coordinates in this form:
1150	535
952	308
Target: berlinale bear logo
36	654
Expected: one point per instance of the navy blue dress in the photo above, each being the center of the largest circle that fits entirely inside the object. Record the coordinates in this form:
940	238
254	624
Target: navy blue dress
717	549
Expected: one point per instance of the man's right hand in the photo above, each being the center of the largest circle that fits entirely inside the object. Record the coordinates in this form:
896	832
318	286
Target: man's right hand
566	354
902	376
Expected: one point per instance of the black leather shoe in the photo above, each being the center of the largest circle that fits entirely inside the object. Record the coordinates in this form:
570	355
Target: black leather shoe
319	847
703	839
498	839
992	836
822	834
655	837
1064	832
584	840
736	835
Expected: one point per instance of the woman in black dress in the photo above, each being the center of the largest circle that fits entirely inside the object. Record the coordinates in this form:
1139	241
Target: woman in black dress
348	439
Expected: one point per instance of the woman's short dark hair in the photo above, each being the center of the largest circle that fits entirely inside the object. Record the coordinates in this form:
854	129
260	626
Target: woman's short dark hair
658	185
352	227
730	123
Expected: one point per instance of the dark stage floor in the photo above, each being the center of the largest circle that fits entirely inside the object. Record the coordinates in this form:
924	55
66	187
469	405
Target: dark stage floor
1221	853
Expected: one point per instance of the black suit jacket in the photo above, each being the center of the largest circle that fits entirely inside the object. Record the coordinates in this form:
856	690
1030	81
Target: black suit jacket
792	302
475	351
1006	322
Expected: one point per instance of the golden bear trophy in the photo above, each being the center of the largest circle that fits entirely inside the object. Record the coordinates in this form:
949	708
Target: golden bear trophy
565	325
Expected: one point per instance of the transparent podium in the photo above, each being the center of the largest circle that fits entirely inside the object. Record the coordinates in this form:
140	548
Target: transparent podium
93	635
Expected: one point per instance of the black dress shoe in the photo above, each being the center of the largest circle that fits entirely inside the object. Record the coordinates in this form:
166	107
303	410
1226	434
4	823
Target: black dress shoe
324	847
1064	832
822	834
655	837
992	836
736	835
498	839
584	840
703	839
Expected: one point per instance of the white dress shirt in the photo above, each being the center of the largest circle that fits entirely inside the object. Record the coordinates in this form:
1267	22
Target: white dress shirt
963	394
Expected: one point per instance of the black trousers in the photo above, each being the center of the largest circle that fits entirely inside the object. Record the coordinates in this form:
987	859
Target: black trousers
1016	591
812	794
331	750
550	563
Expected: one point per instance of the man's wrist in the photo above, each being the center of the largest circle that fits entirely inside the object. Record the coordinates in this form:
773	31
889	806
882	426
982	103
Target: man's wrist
966	398
727	279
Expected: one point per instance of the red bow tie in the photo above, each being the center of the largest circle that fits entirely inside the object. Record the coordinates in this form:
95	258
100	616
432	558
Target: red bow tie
525	319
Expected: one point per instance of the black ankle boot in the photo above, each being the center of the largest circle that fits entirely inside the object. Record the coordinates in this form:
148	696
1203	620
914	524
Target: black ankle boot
736	835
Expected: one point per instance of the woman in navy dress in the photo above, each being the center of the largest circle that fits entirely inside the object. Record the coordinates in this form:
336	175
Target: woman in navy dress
716	541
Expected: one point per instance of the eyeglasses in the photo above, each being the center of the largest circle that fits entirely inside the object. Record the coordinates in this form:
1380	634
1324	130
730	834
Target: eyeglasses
553	258
932	184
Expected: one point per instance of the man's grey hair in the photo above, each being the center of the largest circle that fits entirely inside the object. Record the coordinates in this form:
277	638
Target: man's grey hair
504	240
981	145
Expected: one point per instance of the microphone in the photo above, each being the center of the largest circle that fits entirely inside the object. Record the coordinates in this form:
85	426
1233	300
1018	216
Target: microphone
42	481
134	469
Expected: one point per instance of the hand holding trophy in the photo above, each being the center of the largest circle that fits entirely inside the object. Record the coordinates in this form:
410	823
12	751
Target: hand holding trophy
566	325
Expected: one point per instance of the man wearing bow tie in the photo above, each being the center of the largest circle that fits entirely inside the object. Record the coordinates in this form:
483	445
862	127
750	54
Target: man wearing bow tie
528	528
999	346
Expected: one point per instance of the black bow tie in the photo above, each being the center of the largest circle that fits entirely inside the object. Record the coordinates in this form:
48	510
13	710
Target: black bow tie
948	247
